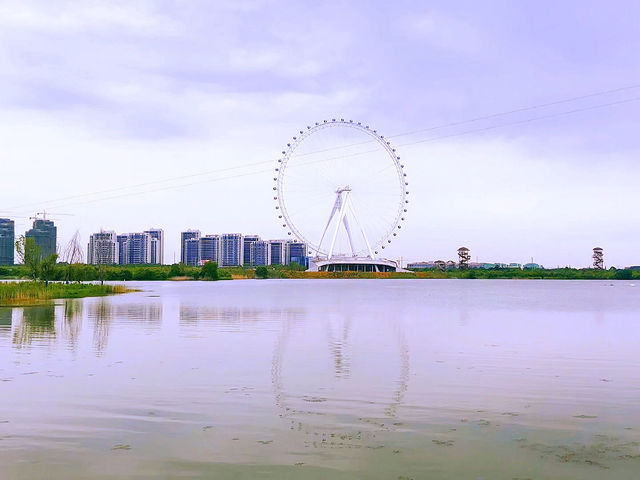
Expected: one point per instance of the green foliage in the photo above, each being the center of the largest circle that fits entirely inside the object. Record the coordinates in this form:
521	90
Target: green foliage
126	274
623	275
293	267
539	273
261	272
209	271
48	268
30	254
177	270
79	272
101	272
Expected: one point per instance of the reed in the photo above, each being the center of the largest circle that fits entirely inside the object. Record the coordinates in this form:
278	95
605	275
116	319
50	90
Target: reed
13	293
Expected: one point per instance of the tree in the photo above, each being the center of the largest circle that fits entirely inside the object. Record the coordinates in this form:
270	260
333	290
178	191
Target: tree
262	272
177	270
126	275
48	268
30	254
73	255
623	274
209	271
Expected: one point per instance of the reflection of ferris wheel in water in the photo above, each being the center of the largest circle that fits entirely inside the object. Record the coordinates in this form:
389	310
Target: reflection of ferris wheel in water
341	189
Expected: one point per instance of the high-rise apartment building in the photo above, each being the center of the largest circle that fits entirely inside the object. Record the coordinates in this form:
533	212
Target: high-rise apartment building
296	252
192	252
258	253
184	236
45	234
138	248
277	252
103	248
246	249
210	248
7	241
231	250
157	245
123	252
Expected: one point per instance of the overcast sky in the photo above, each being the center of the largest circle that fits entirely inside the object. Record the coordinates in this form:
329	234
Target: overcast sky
97	96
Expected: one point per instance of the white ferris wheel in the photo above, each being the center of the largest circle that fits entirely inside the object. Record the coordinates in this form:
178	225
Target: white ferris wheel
341	188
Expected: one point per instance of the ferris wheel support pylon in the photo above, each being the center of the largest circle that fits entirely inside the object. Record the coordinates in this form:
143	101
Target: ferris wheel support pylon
344	205
364	235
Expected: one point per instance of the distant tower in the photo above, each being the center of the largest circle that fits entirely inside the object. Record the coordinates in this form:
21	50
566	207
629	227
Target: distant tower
463	258
598	258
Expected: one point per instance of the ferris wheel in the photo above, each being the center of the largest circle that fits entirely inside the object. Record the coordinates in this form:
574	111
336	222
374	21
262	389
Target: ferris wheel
341	189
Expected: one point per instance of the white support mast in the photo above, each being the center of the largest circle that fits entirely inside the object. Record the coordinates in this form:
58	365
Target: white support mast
342	206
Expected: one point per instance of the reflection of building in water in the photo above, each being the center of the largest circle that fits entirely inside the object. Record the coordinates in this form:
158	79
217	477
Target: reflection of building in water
230	316
37	324
143	314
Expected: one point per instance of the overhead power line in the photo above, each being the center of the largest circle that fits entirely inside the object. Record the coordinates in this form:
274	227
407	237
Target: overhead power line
432	139
413	132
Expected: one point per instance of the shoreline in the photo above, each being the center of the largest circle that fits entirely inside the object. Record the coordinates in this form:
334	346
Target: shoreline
30	293
177	272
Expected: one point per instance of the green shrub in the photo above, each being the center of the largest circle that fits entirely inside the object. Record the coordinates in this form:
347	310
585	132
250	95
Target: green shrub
261	272
623	275
209	271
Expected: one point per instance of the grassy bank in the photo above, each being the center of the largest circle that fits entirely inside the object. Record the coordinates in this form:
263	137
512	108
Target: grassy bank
25	293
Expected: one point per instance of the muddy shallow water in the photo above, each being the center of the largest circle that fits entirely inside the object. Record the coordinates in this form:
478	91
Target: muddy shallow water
380	379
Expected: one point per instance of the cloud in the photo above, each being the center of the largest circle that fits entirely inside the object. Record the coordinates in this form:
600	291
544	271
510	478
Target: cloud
442	32
92	15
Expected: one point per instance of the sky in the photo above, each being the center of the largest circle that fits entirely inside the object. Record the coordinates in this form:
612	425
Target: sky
137	114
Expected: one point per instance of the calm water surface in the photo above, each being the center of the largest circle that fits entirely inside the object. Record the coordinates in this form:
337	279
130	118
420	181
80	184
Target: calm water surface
397	379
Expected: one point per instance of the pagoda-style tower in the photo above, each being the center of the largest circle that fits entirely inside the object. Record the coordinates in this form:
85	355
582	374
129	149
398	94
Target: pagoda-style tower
598	258
463	258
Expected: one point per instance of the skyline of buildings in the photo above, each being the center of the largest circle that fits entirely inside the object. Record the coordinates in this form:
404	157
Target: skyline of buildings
137	248
236	249
7	241
228	250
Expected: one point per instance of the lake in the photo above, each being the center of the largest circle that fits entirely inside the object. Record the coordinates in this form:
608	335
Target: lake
314	379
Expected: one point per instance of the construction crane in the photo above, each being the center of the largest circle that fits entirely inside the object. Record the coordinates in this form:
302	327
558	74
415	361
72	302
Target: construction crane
44	214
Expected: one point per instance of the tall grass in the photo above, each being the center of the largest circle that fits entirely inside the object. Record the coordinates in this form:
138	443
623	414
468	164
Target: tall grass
12	293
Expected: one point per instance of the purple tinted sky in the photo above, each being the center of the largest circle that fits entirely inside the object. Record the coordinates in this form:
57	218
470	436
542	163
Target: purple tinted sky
99	95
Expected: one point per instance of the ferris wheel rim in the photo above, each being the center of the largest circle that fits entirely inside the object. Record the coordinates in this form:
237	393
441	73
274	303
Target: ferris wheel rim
283	162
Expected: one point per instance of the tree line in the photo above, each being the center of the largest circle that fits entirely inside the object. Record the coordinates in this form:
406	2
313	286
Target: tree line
35	266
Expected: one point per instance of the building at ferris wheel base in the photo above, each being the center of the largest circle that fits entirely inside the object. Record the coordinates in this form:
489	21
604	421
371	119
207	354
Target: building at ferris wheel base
351	264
